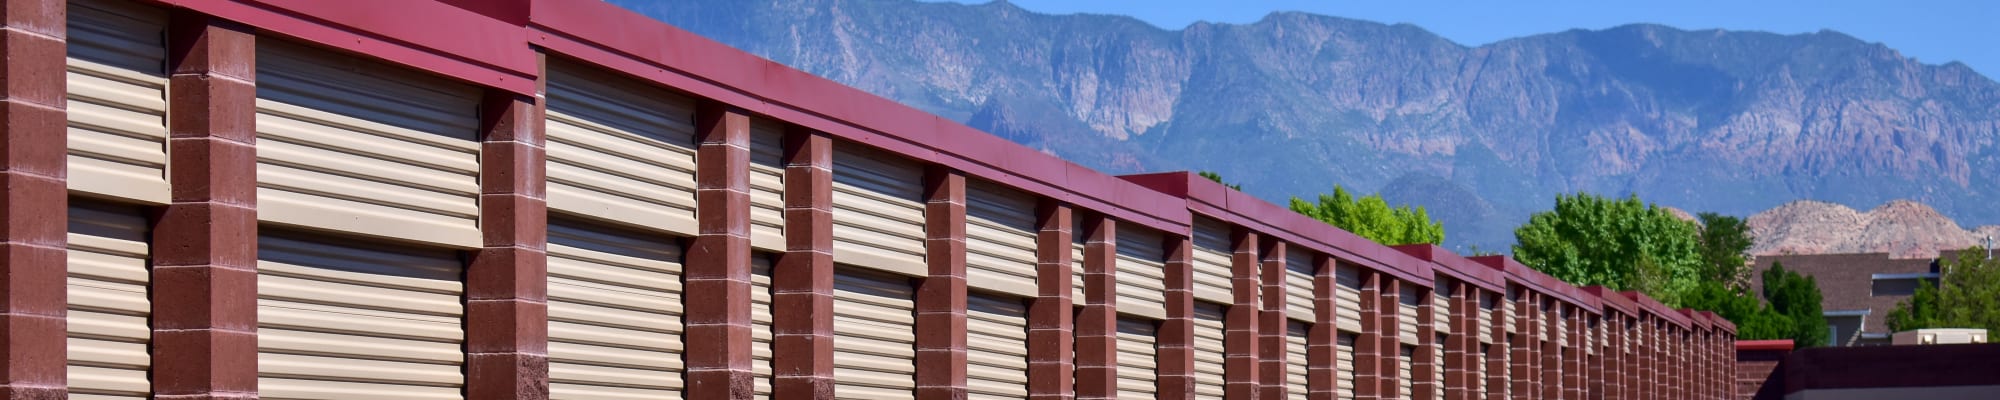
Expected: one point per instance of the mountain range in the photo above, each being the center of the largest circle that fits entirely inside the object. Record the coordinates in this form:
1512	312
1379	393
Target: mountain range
1734	122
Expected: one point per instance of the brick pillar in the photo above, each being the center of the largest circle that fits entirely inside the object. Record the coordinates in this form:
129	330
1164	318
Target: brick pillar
941	295
1573	355
1240	322
506	284
205	245
1368	342
802	279
1321	347
1051	340
1097	325
1638	372
34	214
1609	354
1391	350
718	261
1423	368
1271	320
1175	343
1551	360
1498	367
1521	349
1460	367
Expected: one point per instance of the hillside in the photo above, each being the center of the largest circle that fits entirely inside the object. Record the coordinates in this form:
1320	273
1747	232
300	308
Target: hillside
1709	120
1902	228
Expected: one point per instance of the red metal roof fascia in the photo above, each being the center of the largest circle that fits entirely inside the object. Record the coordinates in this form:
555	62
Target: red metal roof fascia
429	36
1214	200
1764	345
1457	267
1610	299
603	34
1697	320
1536	280
1649	306
1721	323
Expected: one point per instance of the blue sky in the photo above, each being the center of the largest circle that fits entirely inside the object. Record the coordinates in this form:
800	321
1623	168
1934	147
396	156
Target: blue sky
1932	31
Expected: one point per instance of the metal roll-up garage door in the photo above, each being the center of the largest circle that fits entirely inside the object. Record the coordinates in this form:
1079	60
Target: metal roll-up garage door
109	310
1299	272
1405	381
357	146
117	100
1407	301
1000	240
878	211
614	312
1212	261
1297	384
1508	320
339	318
1347	297
767	184
1141	273
760	322
996	347
1076	265
1138	360
620	150
874	344
1209	351
1343	364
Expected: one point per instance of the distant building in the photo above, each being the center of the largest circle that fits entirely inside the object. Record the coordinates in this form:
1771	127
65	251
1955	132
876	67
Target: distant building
1940	336
1857	291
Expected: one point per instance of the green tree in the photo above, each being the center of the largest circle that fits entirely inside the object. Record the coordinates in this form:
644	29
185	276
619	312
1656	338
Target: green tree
1796	297
1967	296
1725	244
1211	175
1624	244
1373	218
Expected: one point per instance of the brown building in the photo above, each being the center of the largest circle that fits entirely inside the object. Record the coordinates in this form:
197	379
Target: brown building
1857	291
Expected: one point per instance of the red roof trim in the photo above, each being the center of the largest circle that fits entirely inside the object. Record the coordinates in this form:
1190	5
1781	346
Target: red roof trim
1444	262
428	36
1210	199
1764	345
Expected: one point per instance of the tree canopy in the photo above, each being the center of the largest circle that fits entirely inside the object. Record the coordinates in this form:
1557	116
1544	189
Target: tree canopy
1211	175
1967	296
1790	307
1373	218
1725	245
1623	244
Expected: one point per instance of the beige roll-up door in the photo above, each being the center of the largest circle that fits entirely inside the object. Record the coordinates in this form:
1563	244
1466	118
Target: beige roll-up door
874	345
1076	290
1405	384
1480	378
1562	322
1209	351
614	312
344	319
767	184
1141	273
1298	363
117	100
1138	359
1347	298
109	307
1509	308
878	211
760	323
1212	261
1487	302
1000	240
1437	366
1407	303
1343	364
357	146
1299	271
620	150
996	347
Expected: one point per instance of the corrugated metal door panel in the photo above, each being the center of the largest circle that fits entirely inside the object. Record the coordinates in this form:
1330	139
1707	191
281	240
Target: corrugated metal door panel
1076	289
1441	309
620	150
356	146
1343	368
1299	270
874	346
351	319
1480	377
1405	381
1487	303
1508	319
760	323
109	308
1000	240
1212	261
1141	274
1437	366
878	211
117	100
1347	298
1297	360
614	312
767	184
1562	327
1406	314
1209	353
1138	362
996	344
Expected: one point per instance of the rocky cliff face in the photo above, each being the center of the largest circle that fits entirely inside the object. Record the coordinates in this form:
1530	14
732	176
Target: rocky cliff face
1902	228
1734	122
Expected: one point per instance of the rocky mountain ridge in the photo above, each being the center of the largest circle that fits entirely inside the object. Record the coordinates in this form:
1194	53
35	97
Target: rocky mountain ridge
1902	228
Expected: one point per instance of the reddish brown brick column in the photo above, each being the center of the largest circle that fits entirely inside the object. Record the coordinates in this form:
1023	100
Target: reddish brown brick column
1368	353
34	203
1271	327
506	285
718	261
1175	341
1240	322
1613	360
802	279
1321	347
1593	359
1097	325
941	295
1460	366
1573	355
1521	348
1051	340
1389	352
1550	363
1497	366
1423	368
205	255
